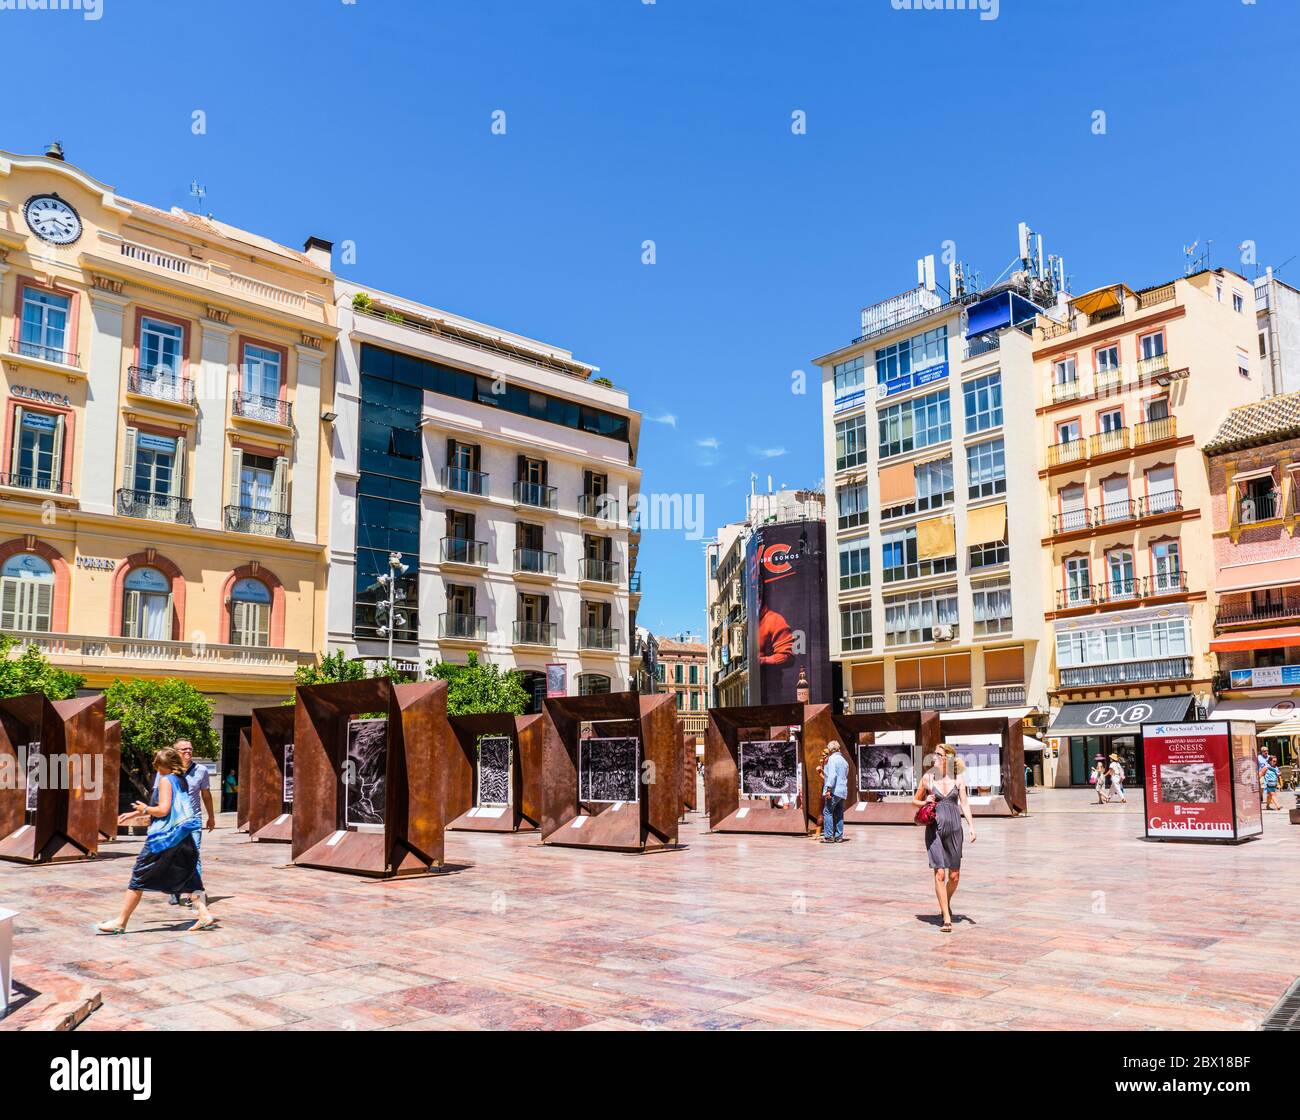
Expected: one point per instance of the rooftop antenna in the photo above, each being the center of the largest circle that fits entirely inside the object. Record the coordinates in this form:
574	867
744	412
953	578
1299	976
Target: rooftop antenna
925	272
1195	261
198	191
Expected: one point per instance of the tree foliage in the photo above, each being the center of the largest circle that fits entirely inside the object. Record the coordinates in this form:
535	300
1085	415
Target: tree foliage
475	689
31	671
154	715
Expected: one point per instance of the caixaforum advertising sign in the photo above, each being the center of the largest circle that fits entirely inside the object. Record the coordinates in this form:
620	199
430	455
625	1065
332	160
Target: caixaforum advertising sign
1196	785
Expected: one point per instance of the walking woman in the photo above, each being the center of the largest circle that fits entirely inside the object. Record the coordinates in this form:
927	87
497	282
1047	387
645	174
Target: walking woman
1271	776
169	860
943	788
1099	780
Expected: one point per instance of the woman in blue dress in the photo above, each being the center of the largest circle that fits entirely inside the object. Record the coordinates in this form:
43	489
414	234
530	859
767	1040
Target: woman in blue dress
943	787
169	860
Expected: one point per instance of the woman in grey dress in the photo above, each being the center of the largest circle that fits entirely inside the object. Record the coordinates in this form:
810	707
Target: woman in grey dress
944	787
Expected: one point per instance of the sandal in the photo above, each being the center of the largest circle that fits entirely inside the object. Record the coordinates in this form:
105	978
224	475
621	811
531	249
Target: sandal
107	928
199	927
946	927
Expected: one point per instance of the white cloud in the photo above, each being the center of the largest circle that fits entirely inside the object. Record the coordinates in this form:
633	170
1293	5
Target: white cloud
667	418
767	452
711	442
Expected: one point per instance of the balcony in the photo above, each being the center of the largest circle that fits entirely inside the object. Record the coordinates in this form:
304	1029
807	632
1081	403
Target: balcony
160	384
154	507
1245	614
1117	512
870	705
936	700
634	583
534	634
1153	367
36	483
535	495
462	627
1126	672
597	571
1155	431
259	522
268	410
600	507
459	550
598	638
535	562
1069	390
1260	507
85	653
1124	590
983	344
43	353
1107	443
1005	696
1070	451
464	481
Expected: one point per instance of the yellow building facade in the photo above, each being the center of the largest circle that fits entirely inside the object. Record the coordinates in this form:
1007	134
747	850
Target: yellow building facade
1132	384
166	385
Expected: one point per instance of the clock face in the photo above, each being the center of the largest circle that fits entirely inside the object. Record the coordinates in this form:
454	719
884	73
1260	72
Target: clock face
52	219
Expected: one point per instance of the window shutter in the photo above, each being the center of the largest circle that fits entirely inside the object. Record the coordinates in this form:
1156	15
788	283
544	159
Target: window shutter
178	469
239	624
280	484
128	459
8	604
546	473
56	460
15	452
130	613
43	601
236	470
451	453
521	468
169	625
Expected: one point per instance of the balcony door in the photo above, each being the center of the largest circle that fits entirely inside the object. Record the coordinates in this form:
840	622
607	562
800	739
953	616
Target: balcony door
1161	495
1114	498
45	325
160	356
147	605
37	457
1074	508
1078	580
154	466
1167	566
1069	432
260	377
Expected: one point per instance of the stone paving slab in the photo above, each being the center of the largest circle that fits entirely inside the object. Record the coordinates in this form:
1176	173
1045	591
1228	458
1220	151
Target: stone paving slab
1067	920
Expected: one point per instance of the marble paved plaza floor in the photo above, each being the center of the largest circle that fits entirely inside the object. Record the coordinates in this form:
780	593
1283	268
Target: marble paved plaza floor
1067	920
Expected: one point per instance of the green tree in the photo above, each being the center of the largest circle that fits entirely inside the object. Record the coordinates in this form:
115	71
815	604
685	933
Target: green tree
333	667
475	689
30	671
154	715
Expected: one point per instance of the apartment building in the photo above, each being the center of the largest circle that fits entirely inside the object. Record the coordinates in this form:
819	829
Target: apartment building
934	505
683	670
1252	461
500	470
1130	385
164	376
1277	316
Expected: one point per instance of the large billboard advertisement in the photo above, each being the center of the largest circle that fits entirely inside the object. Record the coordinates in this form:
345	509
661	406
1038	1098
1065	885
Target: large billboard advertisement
785	589
1196	787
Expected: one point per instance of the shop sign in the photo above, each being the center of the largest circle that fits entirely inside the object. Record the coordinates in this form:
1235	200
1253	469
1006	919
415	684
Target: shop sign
1270	676
43	396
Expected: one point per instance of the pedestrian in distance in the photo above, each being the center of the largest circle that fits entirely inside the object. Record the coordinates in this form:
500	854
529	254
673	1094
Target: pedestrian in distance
835	790
1116	770
941	802
1099	781
1271	779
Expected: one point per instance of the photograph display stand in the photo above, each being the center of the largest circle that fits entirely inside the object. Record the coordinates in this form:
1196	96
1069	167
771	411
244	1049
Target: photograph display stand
1202	781
520	810
860	735
270	756
689	771
63	823
572	769
418	753
731	810
112	789
241	776
967	734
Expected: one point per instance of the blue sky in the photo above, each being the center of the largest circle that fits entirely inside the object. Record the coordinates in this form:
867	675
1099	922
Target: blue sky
671	121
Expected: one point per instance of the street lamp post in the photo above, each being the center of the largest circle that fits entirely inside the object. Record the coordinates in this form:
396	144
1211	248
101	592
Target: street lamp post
392	618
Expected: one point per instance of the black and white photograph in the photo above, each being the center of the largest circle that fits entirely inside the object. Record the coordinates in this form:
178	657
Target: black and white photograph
1187	783
609	769
981	766
33	776
287	795
494	770
885	769
769	768
366	771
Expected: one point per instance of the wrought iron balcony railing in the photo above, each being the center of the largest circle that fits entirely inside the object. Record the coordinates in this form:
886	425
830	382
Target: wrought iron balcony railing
1123	589
154	507
160	383
261	522
271	410
44	353
1277	610
27	480
1118	511
1126	672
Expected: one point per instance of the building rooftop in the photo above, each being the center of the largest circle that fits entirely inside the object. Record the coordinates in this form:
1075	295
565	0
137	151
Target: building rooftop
1249	425
671	645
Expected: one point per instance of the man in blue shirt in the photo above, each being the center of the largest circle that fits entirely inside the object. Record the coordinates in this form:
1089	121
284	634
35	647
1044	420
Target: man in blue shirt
199	783
835	789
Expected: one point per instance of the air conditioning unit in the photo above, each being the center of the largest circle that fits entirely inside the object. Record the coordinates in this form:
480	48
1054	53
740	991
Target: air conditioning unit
944	633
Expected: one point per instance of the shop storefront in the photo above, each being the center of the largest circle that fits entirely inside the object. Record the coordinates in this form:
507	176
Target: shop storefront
1086	730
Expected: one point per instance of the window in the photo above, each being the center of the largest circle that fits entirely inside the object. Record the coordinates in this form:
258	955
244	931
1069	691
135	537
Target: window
1107	358
1112	420
986	469
679	675
461	600
852	502
1152	345
261	372
26	593
1243	364
161	347
1157	409
592	684
899	558
1078	580
992	607
855	563
695	674
681	701
850	443
147	605
934	484
45	325
910	619
848	375
893	361
250	613
695	701
1166	638
36	457
1068	431
256	482
855	627
915	424
1065	371
156	471
1238	302
989	555
983	398
1120	574
1166	567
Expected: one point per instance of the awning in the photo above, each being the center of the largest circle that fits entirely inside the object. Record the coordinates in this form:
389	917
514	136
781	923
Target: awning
897	484
986	525
1100	717
936	537
1277	638
987	713
1259	574
1286	727
1101	299
1265	712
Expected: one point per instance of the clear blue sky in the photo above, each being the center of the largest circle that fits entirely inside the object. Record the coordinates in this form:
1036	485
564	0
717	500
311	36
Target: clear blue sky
670	121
